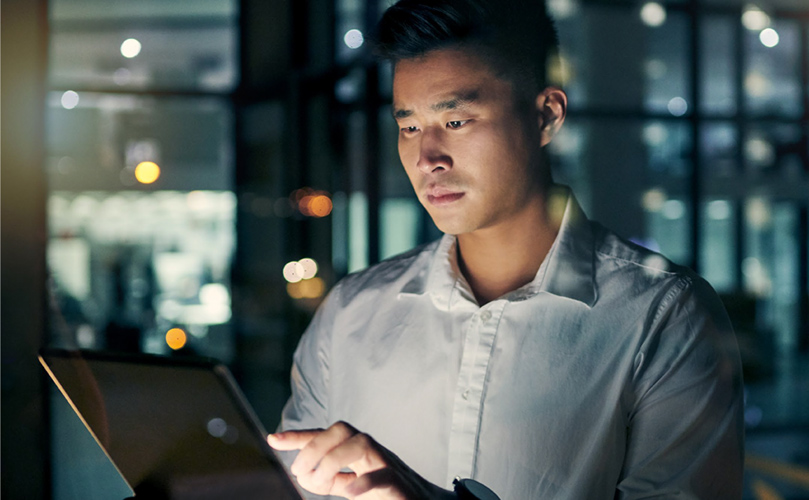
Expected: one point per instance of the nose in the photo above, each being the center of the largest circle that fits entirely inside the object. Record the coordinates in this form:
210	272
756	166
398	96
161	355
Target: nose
433	156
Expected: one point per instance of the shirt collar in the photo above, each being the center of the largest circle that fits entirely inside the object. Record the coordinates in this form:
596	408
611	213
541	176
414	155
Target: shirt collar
567	271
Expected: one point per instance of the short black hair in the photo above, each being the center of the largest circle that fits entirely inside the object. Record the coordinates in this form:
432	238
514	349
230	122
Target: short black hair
515	37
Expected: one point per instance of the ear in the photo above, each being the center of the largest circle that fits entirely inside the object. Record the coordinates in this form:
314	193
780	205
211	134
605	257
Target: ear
551	106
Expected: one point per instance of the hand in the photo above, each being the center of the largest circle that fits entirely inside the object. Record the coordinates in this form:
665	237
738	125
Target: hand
376	473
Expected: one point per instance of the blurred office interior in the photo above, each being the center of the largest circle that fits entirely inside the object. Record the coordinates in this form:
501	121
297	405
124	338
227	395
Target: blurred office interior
191	177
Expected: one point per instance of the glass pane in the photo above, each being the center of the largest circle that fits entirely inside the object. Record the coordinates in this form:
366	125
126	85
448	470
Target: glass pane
665	67
191	58
98	141
718	251
772	75
719	150
128	267
602	74
774	147
718	64
178	45
100	10
399	220
634	179
597	71
770	266
666	199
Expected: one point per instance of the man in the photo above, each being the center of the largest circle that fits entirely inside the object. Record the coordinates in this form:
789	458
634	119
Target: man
529	348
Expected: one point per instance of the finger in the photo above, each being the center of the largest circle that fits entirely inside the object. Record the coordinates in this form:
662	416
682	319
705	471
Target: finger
335	486
320	445
292	440
360	453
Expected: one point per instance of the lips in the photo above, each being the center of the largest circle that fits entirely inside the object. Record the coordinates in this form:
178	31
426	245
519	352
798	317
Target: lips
439	196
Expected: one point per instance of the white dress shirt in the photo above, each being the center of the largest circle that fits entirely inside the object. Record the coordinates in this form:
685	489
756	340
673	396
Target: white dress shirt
613	374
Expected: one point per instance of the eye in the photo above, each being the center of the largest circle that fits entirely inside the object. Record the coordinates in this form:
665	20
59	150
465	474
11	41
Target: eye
455	124
409	130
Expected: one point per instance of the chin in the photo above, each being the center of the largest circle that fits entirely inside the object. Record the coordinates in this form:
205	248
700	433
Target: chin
453	227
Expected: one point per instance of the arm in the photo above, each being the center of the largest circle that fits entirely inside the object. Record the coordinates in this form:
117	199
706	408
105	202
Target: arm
685	431
325	454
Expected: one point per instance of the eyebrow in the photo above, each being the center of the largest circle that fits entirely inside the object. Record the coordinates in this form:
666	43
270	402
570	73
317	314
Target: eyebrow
456	101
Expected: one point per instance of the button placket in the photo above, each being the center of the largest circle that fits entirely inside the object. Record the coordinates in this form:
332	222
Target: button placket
475	358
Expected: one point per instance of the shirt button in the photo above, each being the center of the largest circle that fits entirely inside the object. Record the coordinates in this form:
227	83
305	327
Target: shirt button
465	394
485	316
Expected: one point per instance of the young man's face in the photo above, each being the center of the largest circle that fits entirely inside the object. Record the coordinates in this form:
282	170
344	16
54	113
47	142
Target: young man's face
471	156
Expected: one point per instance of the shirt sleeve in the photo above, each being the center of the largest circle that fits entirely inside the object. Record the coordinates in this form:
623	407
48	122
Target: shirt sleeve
685	435
307	407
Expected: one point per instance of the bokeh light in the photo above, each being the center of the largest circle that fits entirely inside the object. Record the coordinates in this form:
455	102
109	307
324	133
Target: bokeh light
319	205
353	39
677	106
70	99
176	338
653	200
307	289
311	203
754	19
719	210
673	209
653	14
130	48
147	172
309	267
293	271
769	37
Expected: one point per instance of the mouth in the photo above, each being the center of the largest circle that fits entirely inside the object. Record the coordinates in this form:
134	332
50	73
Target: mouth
439	196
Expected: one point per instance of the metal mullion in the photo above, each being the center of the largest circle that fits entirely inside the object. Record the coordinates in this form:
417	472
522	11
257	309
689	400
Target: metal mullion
741	134
695	186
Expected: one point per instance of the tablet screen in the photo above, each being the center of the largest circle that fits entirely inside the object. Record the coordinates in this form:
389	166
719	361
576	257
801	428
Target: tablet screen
176	428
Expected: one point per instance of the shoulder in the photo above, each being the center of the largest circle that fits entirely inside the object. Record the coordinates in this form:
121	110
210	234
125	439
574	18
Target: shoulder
650	277
386	277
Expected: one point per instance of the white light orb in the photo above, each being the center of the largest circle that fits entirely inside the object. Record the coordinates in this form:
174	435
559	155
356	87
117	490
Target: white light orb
70	99
130	48
653	14
769	38
354	39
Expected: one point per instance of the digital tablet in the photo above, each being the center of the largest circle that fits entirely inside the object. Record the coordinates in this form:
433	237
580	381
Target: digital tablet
175	428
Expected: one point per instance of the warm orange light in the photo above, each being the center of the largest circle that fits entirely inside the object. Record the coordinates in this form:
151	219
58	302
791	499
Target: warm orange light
307	289
176	338
311	203
320	205
147	172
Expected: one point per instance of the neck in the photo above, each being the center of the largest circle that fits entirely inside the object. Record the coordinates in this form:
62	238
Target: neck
499	259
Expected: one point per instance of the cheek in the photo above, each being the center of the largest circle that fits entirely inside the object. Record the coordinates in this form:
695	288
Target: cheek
408	153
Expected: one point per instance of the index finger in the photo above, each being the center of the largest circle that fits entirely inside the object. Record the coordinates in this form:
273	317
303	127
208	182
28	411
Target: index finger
292	440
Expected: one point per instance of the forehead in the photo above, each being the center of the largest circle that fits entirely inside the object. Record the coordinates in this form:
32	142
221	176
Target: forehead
442	74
